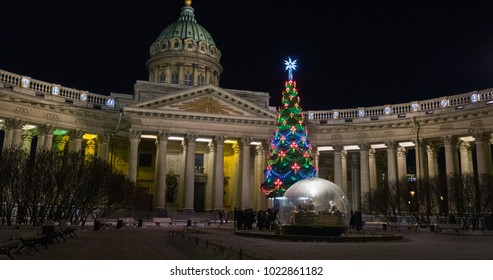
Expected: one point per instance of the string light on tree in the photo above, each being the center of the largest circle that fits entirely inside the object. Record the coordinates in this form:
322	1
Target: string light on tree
290	158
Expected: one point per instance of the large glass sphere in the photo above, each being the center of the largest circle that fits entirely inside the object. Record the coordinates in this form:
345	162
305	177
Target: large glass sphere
314	202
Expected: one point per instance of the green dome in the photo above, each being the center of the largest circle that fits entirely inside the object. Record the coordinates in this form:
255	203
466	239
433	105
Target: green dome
186	27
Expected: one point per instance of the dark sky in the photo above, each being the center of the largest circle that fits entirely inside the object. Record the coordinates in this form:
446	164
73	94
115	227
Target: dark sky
350	53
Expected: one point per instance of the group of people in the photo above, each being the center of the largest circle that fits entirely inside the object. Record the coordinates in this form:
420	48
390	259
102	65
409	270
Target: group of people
264	219
356	220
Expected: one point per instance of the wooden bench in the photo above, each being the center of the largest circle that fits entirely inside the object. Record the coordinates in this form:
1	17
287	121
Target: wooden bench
129	222
8	246
163	220
399	226
442	227
205	222
67	229
30	236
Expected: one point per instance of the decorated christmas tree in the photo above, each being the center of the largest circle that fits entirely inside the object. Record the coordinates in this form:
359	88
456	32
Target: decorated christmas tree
290	157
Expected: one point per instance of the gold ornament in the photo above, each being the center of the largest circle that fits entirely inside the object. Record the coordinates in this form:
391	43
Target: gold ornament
188	3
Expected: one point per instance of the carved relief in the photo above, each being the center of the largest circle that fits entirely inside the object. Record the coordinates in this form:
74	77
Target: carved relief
208	105
21	110
52	116
336	137
388	133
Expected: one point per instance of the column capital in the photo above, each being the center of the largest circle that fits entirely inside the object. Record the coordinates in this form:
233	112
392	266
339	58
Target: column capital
245	142
218	140
364	147
338	148
13	123
76	134
401	151
431	149
465	146
190	138
344	154
391	145
45	129
449	140
372	153
162	136
481	136
104	137
134	134
259	149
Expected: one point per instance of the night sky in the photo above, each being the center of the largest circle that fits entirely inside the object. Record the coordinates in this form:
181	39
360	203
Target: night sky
350	53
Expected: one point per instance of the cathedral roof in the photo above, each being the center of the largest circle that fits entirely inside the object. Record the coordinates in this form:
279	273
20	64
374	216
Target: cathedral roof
186	27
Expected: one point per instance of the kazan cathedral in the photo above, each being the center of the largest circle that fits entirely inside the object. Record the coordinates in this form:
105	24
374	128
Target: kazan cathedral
190	144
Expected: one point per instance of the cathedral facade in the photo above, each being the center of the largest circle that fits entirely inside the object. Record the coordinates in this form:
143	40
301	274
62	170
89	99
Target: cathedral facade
192	145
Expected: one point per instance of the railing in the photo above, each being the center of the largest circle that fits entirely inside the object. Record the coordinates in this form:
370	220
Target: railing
400	110
79	97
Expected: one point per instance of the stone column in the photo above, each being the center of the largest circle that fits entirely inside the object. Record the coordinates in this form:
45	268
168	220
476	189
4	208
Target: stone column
258	196
7	136
481	138
344	186
190	172
134	137
27	138
466	161
401	164
160	184
355	183
432	161
421	163
391	163
449	143
210	169
364	170
246	192
372	161
45	137
103	146
76	137
218	180
235	182
338	164
14	129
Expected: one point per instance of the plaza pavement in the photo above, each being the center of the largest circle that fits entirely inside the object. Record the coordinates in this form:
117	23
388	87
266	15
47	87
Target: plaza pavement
156	243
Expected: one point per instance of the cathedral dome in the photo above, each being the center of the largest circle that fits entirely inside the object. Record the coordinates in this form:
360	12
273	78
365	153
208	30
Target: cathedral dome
186	27
185	53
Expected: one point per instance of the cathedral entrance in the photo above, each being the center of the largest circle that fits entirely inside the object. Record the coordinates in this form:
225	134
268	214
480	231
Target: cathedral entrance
199	197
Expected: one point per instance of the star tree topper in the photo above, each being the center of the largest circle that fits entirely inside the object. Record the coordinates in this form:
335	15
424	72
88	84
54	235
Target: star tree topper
290	66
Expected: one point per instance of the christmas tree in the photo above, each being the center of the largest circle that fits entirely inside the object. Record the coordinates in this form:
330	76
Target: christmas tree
290	157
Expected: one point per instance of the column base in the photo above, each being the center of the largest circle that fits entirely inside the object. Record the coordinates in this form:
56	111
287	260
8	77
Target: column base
188	210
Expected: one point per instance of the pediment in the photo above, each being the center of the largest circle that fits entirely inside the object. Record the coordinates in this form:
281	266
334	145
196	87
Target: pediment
209	100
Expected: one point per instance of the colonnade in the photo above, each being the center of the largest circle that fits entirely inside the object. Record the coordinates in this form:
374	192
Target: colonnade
461	156
249	171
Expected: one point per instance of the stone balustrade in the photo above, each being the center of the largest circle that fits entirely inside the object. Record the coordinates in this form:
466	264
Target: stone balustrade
79	97
430	106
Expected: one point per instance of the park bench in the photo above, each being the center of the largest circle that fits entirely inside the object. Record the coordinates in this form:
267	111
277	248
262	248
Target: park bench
9	241
455	227
67	229
161	221
30	236
129	222
399	226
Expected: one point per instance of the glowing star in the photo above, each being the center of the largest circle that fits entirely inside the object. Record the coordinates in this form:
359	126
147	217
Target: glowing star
295	167
282	154
290	66
306	155
278	183
293	145
283	139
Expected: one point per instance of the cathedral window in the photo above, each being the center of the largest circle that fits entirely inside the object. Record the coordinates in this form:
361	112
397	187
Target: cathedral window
201	80
175	78
188	79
